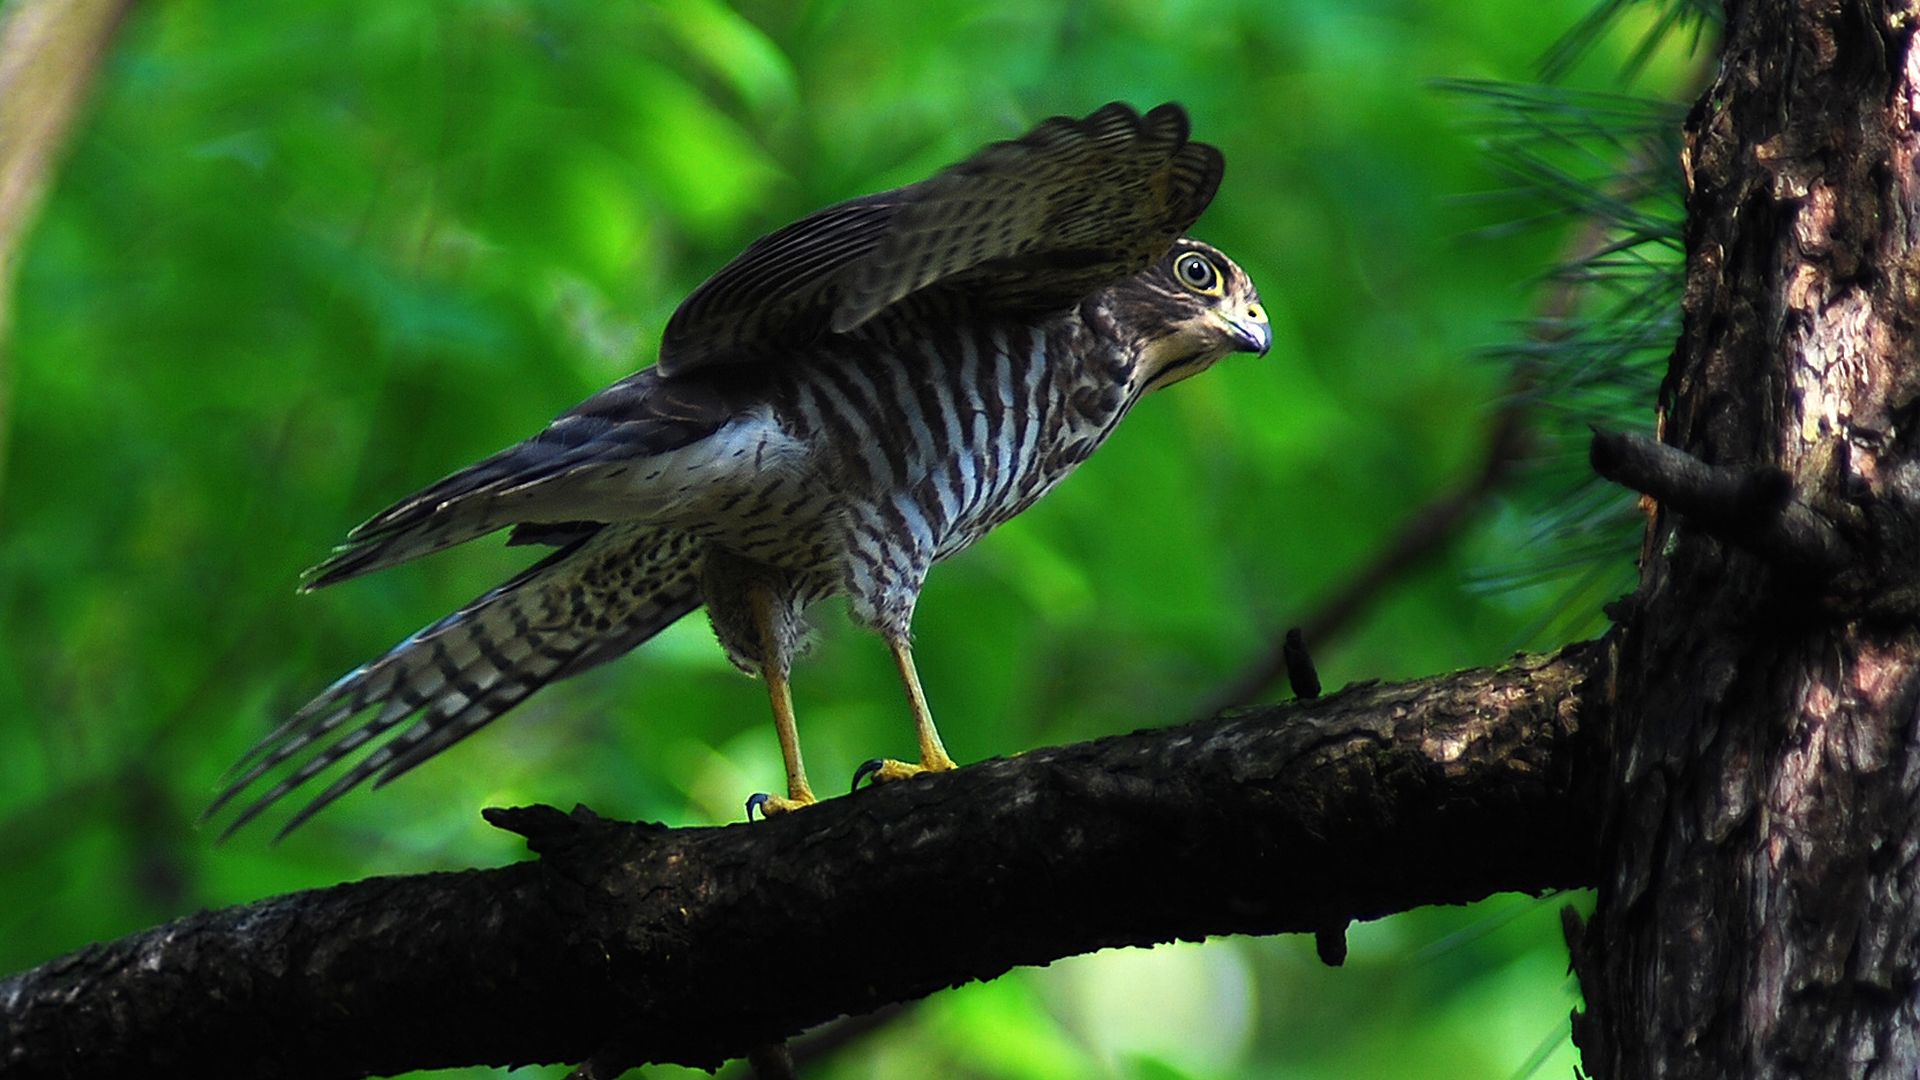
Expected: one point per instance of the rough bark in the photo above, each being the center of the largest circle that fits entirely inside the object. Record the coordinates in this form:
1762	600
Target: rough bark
632	943
1759	915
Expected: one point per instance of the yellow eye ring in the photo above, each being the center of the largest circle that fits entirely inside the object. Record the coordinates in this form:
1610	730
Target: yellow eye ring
1197	272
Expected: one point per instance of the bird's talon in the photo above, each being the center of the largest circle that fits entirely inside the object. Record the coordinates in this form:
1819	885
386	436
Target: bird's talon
869	767
773	805
886	771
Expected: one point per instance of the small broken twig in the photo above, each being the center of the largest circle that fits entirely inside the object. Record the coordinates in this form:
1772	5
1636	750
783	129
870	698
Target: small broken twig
1752	507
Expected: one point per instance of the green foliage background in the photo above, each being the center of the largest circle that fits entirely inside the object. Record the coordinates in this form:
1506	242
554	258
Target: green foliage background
304	259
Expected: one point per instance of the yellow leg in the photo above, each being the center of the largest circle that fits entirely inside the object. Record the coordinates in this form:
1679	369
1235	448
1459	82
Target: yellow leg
798	793
773	668
933	756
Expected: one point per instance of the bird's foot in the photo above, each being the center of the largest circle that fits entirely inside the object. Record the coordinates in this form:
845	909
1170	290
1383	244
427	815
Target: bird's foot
887	770
769	805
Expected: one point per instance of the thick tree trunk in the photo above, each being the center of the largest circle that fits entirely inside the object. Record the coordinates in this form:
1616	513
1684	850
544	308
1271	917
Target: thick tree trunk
1760	912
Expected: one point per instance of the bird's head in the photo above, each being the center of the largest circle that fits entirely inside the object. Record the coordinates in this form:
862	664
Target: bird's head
1192	307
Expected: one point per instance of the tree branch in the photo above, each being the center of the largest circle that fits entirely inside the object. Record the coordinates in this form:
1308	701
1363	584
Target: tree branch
1753	507
633	942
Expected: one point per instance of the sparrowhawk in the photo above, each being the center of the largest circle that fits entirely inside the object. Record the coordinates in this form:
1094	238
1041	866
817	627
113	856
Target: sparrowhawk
852	399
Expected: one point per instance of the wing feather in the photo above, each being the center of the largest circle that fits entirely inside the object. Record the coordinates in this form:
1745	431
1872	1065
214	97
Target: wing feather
1030	224
536	484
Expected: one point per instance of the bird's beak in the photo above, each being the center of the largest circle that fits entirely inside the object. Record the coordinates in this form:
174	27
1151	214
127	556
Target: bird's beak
1250	329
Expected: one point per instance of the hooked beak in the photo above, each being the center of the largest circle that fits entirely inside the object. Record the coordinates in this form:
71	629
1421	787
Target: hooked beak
1251	331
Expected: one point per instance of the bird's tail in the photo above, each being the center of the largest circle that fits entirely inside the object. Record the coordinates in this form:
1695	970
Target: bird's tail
585	604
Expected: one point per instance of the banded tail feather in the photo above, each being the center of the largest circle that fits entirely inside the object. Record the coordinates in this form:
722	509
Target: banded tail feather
585	604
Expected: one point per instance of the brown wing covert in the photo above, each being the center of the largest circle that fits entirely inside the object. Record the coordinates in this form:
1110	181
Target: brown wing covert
1028	224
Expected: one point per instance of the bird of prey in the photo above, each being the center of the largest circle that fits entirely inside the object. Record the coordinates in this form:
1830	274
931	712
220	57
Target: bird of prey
852	399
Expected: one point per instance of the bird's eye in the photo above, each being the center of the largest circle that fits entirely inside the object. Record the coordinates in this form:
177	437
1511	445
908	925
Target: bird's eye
1196	272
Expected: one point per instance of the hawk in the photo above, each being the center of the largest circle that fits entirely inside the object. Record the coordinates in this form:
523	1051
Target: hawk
852	399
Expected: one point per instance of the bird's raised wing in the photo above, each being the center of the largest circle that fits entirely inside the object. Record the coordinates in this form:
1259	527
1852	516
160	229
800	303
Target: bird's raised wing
1031	224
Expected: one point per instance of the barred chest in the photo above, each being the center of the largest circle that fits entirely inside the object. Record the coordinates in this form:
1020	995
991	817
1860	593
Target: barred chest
924	453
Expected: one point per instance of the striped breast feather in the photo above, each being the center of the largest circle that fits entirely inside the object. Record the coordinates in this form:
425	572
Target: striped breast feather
583	605
1031	224
545	479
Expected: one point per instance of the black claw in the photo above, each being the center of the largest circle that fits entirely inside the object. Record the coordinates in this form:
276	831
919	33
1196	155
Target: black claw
757	801
867	768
